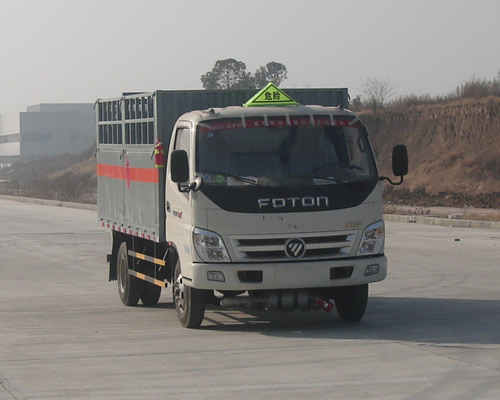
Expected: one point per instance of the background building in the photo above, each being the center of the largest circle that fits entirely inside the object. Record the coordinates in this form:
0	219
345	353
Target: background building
45	130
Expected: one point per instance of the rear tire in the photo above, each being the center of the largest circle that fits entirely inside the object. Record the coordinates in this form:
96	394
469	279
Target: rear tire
128	286
150	294
351	302
189	302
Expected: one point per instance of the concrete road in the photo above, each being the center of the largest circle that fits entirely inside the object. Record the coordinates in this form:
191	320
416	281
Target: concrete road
431	331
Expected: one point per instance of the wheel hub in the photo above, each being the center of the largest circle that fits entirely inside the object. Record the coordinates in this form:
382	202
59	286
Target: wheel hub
179	293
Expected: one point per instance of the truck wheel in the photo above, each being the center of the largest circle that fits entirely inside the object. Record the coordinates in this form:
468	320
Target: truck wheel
189	302
128	286
150	294
351	302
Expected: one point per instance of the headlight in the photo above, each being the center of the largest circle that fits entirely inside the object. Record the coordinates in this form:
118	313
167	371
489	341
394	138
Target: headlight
372	241
209	246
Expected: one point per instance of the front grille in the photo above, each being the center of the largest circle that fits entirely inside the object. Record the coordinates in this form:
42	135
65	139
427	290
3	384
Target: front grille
321	245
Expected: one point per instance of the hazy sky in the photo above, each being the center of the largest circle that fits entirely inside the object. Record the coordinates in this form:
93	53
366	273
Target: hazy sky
79	50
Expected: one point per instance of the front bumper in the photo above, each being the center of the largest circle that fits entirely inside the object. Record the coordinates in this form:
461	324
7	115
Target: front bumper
286	275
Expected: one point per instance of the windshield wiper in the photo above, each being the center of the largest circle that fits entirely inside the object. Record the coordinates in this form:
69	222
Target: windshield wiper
253	182
325	178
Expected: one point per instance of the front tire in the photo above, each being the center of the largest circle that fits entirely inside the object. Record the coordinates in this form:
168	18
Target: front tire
128	286
189	302
351	301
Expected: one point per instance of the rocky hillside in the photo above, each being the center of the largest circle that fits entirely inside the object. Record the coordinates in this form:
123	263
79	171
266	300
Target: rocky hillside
454	151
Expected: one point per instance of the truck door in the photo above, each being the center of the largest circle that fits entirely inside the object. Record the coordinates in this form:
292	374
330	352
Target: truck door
178	203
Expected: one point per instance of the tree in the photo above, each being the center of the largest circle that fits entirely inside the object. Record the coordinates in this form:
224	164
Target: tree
231	74
260	77
228	74
273	72
377	91
356	103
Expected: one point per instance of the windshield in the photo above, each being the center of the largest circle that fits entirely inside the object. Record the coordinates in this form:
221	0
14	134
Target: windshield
283	152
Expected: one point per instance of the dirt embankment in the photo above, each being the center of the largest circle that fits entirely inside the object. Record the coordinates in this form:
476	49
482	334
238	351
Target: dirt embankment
69	177
454	152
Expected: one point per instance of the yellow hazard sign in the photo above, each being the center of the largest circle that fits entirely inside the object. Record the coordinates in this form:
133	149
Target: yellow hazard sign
271	96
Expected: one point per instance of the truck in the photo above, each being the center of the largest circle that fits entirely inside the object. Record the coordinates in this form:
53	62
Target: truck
239	199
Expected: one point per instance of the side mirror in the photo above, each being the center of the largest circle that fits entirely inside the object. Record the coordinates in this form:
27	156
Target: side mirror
399	164
179	166
400	160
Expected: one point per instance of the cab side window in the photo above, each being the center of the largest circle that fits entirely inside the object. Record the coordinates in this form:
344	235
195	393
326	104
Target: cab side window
182	140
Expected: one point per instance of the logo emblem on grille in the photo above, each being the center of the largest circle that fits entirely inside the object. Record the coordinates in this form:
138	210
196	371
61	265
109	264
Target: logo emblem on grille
295	248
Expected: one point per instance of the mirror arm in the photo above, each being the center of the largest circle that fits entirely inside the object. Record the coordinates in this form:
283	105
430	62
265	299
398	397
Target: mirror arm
195	186
183	188
385	178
